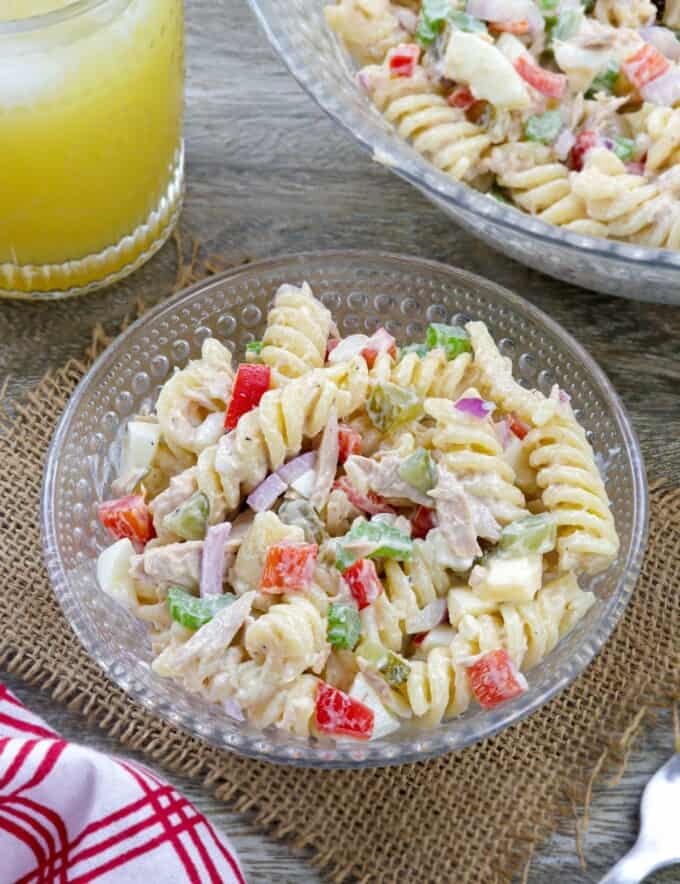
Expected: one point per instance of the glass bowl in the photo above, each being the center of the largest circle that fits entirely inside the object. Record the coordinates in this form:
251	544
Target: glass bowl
317	60
364	290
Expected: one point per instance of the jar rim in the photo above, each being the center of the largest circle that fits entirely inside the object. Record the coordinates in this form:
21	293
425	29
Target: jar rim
47	19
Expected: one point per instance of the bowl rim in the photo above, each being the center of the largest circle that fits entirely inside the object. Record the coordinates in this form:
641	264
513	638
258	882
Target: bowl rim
402	159
313	756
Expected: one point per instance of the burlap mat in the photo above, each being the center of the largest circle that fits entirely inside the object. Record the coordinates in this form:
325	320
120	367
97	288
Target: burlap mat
475	816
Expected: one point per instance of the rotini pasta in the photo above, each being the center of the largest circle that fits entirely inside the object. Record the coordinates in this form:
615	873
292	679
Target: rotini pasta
495	379
438	686
191	405
441	132
629	205
541	186
321	608
573	491
296	335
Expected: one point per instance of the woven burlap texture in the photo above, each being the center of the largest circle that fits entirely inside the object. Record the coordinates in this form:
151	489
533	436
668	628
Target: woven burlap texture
475	816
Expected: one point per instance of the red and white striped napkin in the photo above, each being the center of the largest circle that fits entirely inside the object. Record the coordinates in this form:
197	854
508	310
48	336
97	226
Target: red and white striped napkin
72	815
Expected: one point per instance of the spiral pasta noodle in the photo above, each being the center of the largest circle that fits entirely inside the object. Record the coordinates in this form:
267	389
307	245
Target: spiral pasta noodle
432	374
573	491
494	376
662	125
296	335
291	636
192	403
630	207
381	623
540	185
438	131
438	687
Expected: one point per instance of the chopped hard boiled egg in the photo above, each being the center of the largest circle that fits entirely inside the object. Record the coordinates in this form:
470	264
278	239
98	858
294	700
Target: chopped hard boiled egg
140	446
486	70
508	579
113	572
383	723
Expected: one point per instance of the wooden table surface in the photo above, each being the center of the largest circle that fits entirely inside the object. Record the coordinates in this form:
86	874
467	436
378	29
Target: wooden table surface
268	173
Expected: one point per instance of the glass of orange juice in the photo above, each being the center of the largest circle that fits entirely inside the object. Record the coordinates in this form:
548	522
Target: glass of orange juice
91	155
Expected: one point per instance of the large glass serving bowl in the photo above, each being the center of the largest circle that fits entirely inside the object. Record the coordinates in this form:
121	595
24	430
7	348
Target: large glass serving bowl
320	64
364	290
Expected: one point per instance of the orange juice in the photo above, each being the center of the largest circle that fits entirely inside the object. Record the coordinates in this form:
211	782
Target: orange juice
90	139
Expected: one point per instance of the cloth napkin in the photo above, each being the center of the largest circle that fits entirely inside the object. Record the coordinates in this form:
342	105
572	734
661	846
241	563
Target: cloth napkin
70	814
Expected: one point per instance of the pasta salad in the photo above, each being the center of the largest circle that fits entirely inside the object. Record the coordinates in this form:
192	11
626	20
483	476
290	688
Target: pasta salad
341	536
565	109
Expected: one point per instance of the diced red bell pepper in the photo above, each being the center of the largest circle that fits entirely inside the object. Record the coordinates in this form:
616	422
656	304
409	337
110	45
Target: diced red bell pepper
645	65
494	678
585	141
331	344
371	503
546	82
511	27
518	427
127	517
289	567
461	97
338	713
363	582
250	385
402	60
381	341
349	441
422	522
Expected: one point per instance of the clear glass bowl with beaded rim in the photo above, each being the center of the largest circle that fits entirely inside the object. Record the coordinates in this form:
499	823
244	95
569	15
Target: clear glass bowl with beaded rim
322	66
364	290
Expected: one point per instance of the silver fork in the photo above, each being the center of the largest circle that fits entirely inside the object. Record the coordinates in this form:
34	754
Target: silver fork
658	843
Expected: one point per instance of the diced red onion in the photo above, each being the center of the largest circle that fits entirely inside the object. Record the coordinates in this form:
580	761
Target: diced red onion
212	560
664	90
474	407
327	462
663	39
503	432
635	168
233	710
263	497
297	467
427	618
564	143
349	347
564	396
